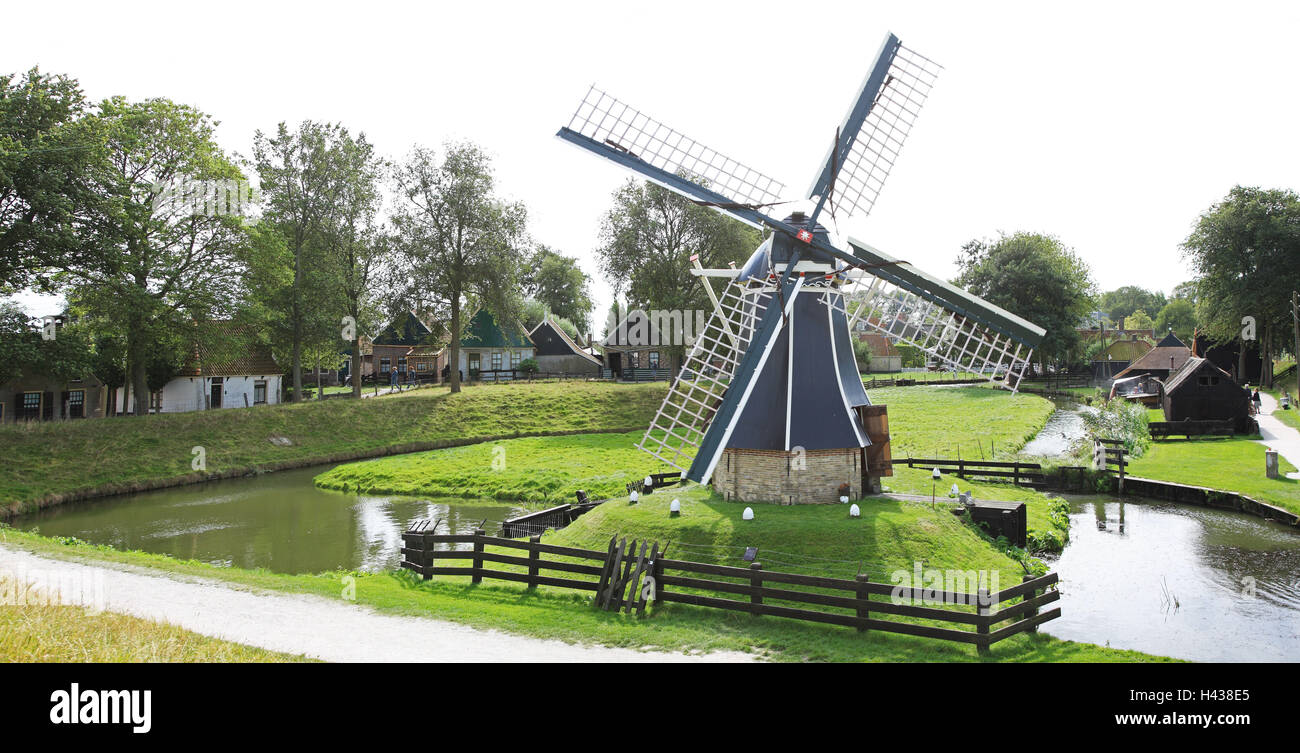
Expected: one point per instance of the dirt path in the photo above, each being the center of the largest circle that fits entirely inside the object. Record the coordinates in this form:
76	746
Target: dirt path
316	627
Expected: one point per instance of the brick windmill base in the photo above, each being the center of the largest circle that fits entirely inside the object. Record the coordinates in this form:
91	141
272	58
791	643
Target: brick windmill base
811	476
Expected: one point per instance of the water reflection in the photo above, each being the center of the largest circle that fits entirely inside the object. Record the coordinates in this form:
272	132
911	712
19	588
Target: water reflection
1064	428
1195	583
278	521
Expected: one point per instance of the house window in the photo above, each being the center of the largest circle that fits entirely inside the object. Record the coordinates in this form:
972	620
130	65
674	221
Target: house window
634	360
31	409
654	359
516	358
401	365
77	404
259	392
385	365
474	361
155	401
422	366
496	360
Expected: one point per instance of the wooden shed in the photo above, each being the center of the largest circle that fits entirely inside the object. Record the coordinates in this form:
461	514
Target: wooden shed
1201	391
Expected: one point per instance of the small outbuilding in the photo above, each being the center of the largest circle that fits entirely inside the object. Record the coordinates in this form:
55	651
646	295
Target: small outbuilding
1201	391
557	353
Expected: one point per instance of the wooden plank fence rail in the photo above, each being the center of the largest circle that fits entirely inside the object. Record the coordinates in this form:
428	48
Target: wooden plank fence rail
1031	474
630	574
1189	428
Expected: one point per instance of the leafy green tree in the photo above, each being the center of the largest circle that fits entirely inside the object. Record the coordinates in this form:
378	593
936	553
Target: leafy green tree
646	242
1034	276
560	284
460	245
160	264
354	243
1120	303
51	154
1245	251
1178	315
1139	320
298	171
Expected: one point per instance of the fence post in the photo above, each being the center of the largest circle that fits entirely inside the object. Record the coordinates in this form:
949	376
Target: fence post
426	556
982	610
961	469
864	611
1015	475
756	582
1031	594
478	558
534	557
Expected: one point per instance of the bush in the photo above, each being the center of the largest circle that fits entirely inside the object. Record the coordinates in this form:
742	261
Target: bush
528	366
1123	420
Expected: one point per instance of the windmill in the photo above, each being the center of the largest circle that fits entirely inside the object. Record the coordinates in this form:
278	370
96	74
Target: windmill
770	385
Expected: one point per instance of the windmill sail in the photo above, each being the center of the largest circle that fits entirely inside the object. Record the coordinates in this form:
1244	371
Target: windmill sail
606	122
680	425
953	326
873	132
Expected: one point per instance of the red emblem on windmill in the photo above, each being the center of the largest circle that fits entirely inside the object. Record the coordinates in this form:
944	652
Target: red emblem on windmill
804	235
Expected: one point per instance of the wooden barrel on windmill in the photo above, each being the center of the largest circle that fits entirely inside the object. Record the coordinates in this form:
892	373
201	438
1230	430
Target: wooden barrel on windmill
875	421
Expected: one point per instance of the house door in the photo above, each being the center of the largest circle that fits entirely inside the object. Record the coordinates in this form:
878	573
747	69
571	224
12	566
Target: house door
47	406
216	393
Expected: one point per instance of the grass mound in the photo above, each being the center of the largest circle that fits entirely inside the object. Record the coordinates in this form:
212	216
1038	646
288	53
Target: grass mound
535	469
891	535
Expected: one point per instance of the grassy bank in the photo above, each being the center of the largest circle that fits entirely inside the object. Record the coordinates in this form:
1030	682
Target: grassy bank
47	462
42	630
1231	464
533	469
568	615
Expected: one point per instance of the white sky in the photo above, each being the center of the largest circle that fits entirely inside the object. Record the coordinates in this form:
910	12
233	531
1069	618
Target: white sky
1109	125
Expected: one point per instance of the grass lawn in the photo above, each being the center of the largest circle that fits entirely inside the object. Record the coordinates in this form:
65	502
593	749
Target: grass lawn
44	460
1231	464
532	469
568	615
50	632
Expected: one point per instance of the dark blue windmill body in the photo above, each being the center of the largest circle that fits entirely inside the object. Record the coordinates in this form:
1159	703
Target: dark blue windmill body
770	404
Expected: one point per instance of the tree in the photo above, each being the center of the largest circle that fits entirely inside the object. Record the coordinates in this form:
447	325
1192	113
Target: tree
298	170
1120	303
1245	251
160	265
646	243
1139	319
559	283
1036	277
460	245
51	154
354	243
1179	315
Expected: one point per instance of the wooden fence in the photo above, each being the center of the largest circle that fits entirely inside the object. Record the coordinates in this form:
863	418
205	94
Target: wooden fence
1189	428
629	575
1021	474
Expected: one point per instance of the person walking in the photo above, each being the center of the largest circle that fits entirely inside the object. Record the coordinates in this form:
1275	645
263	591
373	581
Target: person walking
1256	400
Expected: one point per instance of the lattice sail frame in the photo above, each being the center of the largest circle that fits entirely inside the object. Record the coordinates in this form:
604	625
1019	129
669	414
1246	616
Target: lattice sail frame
606	120
951	338
684	416
876	145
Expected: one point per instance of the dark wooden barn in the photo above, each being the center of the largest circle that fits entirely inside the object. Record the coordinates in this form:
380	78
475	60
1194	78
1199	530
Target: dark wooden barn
1201	391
